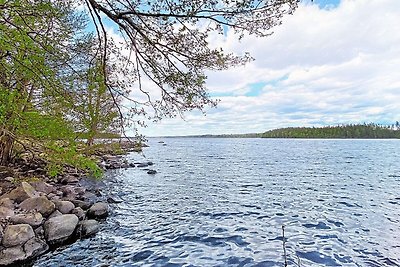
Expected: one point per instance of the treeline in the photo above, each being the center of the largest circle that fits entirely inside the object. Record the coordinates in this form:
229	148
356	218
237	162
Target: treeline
367	131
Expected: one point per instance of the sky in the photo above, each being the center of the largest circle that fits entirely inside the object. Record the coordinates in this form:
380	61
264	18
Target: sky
332	62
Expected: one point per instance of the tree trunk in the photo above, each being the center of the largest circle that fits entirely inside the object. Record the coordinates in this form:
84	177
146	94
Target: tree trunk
6	147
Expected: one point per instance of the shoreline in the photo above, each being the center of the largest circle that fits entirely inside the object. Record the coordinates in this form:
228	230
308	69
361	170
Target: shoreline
39	213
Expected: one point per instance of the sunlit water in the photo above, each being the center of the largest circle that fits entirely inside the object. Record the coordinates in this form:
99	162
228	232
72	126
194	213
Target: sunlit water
223	202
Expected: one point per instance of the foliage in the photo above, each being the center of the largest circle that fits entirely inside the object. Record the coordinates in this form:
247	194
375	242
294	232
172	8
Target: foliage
342	131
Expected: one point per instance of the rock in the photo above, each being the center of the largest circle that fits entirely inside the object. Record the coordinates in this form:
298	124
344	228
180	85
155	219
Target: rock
142	165
132	165
82	204
15	235
79	212
150	163
88	228
64	206
55	214
6	212
151	172
41	204
35	247
12	255
43	187
113	200
69	179
39	231
7	203
98	210
33	219
22	192
59	229
9	179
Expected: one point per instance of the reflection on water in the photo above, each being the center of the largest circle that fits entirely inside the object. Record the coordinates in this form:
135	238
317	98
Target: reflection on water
222	202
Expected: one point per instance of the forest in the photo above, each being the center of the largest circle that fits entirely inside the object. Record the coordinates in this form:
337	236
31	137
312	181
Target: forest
364	131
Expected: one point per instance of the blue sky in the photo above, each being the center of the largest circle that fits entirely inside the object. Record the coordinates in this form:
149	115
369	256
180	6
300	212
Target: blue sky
332	62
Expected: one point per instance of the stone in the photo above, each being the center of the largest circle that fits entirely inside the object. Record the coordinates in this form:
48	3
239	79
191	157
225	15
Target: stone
6	212
7	203
150	163
151	172
16	235
142	165
22	192
12	255
59	229
64	206
9	179
40	204
82	204
35	247
88	228
33	219
55	214
113	200
39	231
79	212
69	179
132	165
98	210
43	187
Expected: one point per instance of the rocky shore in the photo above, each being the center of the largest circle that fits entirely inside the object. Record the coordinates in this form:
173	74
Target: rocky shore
38	213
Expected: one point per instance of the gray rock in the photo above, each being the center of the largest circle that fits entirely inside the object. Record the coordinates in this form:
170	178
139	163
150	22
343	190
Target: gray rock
22	192
64	206
151	172
43	187
79	212
69	179
41	204
56	213
59	229
39	231
12	255
33	219
35	247
6	212
88	228
82	204
9	179
98	210
16	235
7	203
142	165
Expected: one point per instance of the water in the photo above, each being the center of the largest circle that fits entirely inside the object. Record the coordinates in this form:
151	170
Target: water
222	202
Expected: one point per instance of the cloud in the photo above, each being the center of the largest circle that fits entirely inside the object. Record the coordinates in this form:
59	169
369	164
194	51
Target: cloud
321	66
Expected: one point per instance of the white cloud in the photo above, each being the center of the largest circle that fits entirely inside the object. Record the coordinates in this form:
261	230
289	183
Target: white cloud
321	66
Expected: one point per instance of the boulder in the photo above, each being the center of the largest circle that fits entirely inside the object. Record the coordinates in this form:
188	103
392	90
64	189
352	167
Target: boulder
88	228
98	210
56	213
43	187
82	204
64	206
33	219
142	165
35	247
39	231
69	179
40	204
79	212
22	192
7	203
16	235
59	229
12	255
6	212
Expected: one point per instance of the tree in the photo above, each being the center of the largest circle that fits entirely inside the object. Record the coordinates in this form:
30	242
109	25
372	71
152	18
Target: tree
168	45
42	52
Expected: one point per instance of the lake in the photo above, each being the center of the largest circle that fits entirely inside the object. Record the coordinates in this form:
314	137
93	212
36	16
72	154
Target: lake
223	202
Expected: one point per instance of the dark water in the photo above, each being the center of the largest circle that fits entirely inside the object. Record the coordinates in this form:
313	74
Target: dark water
222	202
